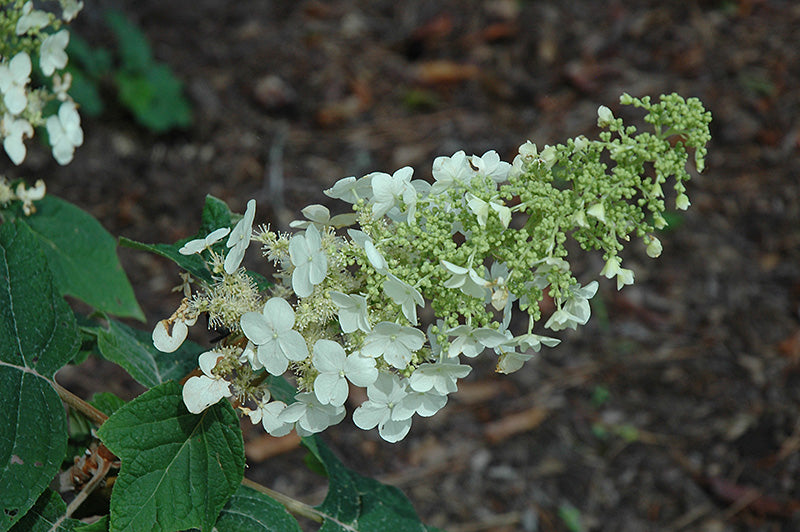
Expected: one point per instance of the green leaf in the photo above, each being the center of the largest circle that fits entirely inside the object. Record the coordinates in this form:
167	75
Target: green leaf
359	503
134	351
191	263
106	402
101	525
47	515
178	469
37	337
253	511
83	257
134	50
216	214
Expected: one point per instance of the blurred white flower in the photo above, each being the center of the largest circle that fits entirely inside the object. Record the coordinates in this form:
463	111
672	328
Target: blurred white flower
51	54
239	240
31	19
201	392
169	334
14	76
612	268
65	132
268	414
604	116
14	131
28	195
481	208
466	279
70	9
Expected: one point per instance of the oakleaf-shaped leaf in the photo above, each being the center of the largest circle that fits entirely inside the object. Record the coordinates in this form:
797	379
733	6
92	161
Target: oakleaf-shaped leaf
253	511
178	469
83	257
134	351
37	336
357	503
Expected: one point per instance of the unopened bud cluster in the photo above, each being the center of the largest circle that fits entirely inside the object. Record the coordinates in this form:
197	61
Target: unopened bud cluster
484	240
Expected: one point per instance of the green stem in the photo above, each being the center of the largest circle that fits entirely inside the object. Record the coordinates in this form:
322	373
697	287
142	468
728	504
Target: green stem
79	404
293	505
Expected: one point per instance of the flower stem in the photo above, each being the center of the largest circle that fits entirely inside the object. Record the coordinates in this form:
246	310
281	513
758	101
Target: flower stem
293	505
79	404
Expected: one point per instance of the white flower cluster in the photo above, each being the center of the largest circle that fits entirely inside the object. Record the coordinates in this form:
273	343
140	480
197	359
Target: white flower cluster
21	193
22	106
364	339
485	237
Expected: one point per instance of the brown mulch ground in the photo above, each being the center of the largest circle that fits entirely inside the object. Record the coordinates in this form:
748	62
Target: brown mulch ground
677	406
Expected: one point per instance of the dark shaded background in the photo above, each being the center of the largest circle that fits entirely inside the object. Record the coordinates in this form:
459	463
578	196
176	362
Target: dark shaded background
676	407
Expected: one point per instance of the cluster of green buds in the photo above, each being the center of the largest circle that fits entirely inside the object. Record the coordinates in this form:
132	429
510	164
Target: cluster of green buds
29	33
393	295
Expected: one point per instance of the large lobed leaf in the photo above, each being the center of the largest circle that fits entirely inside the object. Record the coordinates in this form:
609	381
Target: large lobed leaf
83	257
38	335
178	469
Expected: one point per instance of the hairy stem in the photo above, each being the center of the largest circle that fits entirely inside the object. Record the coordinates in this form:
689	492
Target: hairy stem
293	505
73	401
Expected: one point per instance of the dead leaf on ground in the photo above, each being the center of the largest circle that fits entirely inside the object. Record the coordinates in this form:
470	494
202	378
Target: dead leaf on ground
445	72
266	446
513	424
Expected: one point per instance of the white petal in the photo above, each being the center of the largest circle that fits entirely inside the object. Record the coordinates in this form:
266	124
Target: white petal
394	431
201	392
329	356
168	339
278	314
272	358
208	361
293	345
369	415
255	327
330	388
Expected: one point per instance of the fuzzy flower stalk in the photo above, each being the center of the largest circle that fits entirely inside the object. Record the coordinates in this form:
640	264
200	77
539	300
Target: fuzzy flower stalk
419	278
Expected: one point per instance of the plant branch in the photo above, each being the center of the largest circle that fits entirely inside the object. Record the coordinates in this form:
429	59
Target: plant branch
79	404
293	505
